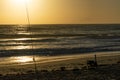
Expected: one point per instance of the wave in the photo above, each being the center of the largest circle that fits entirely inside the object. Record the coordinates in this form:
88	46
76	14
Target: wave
58	51
58	39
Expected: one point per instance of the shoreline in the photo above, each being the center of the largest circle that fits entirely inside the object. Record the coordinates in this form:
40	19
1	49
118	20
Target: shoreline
69	61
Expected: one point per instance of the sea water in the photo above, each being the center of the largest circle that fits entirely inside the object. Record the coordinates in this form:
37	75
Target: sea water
22	40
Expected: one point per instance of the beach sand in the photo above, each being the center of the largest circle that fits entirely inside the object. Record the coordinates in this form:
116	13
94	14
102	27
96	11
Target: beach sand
67	67
55	62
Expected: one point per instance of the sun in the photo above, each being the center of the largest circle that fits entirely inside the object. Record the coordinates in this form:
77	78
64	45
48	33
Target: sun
15	11
20	1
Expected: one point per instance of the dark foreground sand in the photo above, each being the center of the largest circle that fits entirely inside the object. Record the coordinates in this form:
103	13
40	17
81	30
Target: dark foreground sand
71	69
104	72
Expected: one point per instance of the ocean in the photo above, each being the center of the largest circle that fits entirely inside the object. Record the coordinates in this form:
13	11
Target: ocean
58	39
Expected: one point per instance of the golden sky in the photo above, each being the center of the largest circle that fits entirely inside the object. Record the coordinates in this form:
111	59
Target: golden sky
60	11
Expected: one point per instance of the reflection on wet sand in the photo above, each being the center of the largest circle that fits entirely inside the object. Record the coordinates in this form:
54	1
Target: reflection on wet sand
25	60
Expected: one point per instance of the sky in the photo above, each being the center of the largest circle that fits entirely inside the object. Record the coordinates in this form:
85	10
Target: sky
60	11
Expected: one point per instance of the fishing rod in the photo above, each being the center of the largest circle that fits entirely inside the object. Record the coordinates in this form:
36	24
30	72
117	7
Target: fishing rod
27	14
29	25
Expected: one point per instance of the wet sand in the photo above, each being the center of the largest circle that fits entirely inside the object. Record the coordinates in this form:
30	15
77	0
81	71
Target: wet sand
11	65
72	67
